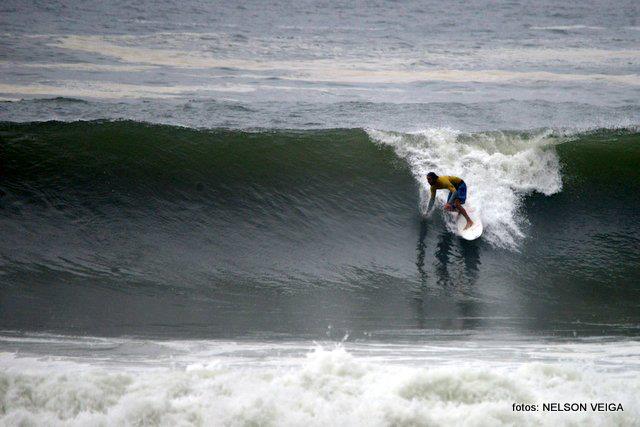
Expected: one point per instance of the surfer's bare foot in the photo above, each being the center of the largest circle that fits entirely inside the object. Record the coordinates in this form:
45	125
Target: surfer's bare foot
469	225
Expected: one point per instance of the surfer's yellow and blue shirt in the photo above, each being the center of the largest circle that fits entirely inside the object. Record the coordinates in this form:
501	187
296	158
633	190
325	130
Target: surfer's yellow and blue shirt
450	183
456	186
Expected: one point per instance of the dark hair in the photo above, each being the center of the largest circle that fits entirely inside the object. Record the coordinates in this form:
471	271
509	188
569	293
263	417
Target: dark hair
432	175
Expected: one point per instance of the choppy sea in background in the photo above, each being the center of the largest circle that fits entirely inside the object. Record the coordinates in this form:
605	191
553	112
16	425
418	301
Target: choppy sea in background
214	213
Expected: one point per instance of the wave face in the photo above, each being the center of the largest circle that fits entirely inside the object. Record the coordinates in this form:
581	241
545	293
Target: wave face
206	232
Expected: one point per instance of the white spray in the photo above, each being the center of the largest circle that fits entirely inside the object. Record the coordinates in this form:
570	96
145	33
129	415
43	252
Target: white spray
499	169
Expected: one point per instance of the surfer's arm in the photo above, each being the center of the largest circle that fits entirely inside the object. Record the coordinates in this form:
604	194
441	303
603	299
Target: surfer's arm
453	193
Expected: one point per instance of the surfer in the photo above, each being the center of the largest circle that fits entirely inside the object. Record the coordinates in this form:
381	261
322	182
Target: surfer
457	193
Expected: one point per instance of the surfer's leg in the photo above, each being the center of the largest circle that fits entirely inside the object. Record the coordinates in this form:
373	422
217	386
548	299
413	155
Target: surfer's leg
463	212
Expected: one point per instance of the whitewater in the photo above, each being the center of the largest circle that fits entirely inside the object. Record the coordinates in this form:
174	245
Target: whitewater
500	169
292	383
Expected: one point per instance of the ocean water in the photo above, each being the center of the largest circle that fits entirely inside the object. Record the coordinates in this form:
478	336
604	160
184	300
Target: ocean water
215	213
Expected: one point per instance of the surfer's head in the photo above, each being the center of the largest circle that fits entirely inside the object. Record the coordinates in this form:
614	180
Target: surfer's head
432	178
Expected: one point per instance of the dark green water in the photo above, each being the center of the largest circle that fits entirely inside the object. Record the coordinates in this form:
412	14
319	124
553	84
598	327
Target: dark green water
118	228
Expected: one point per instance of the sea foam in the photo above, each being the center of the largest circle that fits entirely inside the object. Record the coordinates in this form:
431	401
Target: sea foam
328	386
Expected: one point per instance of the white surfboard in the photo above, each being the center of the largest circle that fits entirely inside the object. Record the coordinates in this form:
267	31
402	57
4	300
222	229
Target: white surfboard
472	232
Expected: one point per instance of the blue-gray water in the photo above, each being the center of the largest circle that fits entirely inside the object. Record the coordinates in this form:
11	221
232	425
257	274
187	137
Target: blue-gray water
214	212
387	65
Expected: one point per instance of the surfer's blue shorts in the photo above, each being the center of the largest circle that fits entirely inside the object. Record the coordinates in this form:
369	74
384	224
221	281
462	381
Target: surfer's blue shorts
460	194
